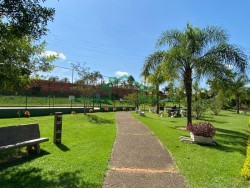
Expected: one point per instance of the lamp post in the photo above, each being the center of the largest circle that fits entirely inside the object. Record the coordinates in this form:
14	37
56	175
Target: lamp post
72	81
68	69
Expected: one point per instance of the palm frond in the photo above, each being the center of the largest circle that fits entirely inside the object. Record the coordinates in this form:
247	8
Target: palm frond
170	38
151	63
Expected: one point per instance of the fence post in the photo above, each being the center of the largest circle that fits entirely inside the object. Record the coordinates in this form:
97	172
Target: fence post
58	128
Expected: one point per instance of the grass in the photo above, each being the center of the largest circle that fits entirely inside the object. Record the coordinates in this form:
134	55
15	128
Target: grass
53	101
206	166
80	161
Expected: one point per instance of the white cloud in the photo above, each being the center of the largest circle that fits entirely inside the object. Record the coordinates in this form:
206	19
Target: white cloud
120	73
59	55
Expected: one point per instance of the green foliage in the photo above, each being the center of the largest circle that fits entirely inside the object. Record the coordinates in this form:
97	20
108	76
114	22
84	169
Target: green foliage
132	99
20	58
24	18
215	105
245	172
130	81
199	108
21	23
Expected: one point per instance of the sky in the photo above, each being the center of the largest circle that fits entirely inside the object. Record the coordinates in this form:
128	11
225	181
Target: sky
116	36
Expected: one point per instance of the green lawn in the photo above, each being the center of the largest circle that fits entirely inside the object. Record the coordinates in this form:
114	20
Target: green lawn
80	161
206	166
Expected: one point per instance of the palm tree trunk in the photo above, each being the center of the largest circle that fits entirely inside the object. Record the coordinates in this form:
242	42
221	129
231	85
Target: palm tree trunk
237	103
157	99
188	88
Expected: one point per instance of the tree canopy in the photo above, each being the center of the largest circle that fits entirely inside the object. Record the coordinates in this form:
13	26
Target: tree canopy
24	18
22	24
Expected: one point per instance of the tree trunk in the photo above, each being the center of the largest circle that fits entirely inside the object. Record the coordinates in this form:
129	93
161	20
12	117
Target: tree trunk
157	99
188	88
237	98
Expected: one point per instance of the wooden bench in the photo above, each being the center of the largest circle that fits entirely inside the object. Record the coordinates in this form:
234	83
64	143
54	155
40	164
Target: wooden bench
12	137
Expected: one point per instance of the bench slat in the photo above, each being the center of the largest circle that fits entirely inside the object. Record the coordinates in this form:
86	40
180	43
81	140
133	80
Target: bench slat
25	143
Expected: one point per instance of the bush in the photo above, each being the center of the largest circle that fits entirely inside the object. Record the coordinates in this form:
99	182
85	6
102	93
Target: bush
216	105
245	171
205	129
199	108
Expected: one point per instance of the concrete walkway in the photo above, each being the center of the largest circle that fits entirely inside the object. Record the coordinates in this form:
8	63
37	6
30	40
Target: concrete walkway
138	159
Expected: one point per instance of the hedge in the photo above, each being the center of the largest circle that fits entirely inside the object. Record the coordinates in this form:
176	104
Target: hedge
245	172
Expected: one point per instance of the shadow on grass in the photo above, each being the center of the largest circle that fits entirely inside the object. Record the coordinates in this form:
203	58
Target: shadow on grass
96	119
30	177
231	141
211	119
18	158
62	147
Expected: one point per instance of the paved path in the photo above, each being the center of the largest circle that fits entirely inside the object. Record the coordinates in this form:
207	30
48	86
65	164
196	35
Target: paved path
138	159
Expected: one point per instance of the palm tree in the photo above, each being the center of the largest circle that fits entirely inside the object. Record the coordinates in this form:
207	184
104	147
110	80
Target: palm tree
153	73
130	81
199	52
238	88
234	85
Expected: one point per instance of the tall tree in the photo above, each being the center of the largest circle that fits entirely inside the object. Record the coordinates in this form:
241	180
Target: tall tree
22	23
152	72
197	52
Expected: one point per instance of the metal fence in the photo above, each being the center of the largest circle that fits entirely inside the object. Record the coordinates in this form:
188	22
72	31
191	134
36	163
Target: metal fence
52	101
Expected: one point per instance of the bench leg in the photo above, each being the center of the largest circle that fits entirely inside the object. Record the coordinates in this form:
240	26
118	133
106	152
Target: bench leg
35	150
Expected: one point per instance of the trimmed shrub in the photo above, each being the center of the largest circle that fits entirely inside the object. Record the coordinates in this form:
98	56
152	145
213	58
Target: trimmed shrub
245	171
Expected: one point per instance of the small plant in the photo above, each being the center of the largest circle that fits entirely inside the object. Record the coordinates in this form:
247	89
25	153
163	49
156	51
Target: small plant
106	109
27	114
124	108
205	129
91	110
73	112
114	109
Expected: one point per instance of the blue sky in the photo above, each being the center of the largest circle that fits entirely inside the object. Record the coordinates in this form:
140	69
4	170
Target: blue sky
113	36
